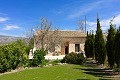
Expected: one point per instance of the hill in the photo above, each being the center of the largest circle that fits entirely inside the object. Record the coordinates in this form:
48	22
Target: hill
8	39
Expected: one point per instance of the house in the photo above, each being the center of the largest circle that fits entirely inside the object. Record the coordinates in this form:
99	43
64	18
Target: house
71	41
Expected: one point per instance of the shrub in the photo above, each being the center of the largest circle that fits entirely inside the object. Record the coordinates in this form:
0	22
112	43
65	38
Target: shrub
12	55
55	62
80	58
73	58
38	58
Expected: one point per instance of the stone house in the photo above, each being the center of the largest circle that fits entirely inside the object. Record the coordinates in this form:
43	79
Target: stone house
71	41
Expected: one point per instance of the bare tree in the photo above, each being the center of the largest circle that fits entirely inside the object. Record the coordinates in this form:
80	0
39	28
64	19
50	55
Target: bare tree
45	37
29	40
81	25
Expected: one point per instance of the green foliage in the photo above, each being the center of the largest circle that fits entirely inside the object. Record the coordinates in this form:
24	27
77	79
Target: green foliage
110	46
30	45
55	62
89	46
100	50
38	58
73	58
12	55
117	48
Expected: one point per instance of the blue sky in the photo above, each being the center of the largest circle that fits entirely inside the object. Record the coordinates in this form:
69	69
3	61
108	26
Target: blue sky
19	16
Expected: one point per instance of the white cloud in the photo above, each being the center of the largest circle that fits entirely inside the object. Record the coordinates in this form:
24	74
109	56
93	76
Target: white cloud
105	23
2	19
79	13
82	10
10	27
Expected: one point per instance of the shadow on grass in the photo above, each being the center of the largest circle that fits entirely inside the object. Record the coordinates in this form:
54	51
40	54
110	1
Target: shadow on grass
98	72
102	73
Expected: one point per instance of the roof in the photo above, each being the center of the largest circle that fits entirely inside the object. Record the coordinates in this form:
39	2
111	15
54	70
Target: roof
67	33
72	34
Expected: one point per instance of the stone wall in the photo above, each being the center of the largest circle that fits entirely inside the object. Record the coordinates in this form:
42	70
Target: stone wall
71	48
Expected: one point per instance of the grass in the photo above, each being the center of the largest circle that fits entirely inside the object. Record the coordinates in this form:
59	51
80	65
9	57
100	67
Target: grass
58	72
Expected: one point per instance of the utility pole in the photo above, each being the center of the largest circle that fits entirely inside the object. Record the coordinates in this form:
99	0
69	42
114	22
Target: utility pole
85	24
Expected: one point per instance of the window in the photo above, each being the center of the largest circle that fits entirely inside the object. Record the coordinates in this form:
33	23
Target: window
77	47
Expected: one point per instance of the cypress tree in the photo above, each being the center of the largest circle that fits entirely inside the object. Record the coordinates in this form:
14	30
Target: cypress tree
92	45
110	46
100	50
117	48
89	46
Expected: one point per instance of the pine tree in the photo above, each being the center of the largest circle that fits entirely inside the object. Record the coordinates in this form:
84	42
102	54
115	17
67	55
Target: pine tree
117	48
100	50
110	46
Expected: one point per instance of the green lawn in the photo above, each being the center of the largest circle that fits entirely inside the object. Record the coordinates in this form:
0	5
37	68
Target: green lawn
58	72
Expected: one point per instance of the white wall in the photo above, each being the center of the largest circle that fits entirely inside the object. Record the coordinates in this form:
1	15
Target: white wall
71	48
54	57
82	47
58	48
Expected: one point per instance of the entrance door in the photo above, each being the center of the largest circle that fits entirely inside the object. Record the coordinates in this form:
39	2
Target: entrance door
66	49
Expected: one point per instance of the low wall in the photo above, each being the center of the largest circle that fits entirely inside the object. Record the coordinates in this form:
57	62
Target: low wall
54	57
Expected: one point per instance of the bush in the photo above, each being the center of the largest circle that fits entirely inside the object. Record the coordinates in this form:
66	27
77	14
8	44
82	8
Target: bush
55	62
73	58
38	58
12	56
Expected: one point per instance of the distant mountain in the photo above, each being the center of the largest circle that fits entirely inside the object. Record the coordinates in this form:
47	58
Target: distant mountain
8	39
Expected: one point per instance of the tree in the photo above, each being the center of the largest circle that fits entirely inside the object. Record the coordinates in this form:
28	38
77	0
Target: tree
92	40
81	25
117	48
89	45
100	50
29	40
12	55
45	37
110	47
30	44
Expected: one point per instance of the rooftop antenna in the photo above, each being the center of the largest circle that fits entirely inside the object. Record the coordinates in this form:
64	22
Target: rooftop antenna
97	15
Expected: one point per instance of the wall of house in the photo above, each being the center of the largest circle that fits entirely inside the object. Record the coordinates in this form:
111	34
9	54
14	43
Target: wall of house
82	46
66	41
58	48
71	48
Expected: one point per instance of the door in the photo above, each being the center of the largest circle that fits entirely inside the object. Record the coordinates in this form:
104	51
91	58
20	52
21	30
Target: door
66	49
77	47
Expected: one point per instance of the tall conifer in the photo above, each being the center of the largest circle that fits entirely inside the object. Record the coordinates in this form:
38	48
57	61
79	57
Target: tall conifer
89	45
117	48
110	46
100	50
